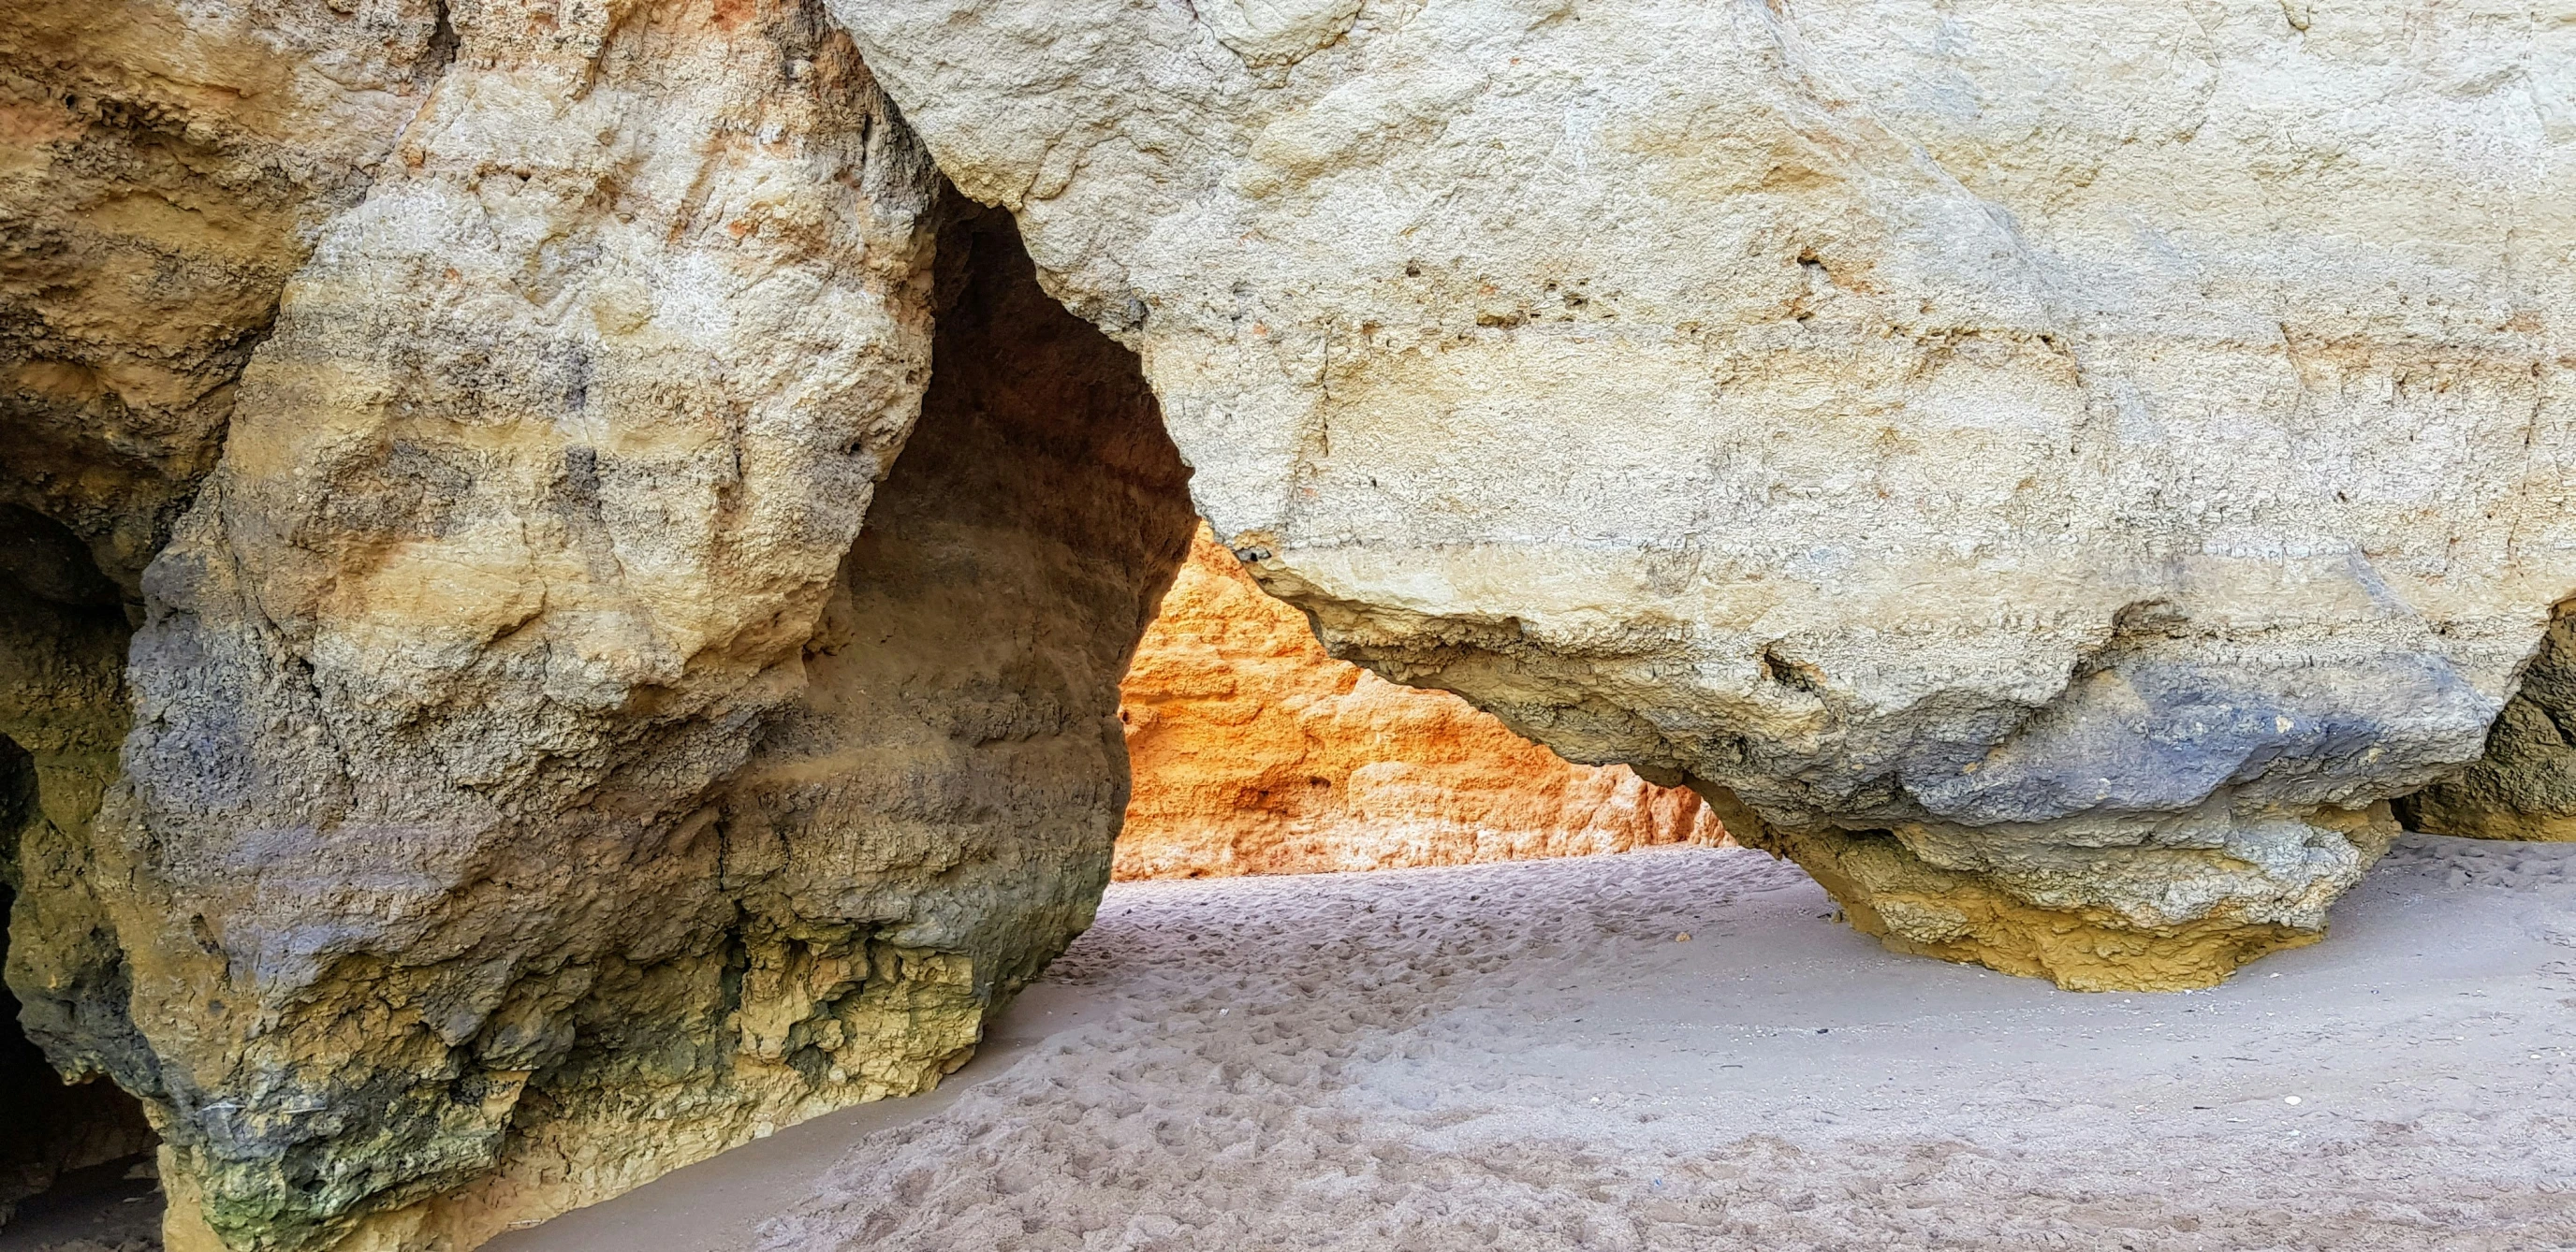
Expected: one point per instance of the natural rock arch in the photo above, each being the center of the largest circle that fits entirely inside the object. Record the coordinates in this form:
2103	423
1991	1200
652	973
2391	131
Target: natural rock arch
547	726
2060	507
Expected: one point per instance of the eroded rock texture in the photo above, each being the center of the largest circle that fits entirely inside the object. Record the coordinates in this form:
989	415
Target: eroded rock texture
537	781
2055	470
162	170
1255	752
527	506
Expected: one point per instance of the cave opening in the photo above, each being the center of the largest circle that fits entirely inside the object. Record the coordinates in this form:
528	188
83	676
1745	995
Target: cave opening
1041	463
62	634
75	1155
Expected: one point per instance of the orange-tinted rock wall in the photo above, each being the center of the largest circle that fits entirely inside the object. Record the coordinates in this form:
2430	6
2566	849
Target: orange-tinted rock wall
1255	752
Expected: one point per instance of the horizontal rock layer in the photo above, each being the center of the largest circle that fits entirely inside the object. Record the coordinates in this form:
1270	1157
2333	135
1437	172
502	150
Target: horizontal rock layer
1255	752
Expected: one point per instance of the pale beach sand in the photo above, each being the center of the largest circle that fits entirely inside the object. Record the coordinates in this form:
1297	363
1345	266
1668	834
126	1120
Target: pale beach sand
1522	1056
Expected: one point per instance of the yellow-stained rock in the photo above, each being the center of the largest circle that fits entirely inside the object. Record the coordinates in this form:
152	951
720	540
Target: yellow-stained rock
2016	922
164	169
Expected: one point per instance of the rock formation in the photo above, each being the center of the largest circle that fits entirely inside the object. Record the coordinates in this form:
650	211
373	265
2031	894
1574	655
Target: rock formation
165	170
1255	752
2033	466
564	594
538	779
167	167
59	723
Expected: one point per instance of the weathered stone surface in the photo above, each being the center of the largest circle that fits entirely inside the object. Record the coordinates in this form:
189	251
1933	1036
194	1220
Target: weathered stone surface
162	170
2057	472
527	507
1255	752
538	781
2101	451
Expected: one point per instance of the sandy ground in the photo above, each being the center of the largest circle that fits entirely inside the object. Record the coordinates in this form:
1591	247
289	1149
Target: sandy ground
1523	1057
102	1209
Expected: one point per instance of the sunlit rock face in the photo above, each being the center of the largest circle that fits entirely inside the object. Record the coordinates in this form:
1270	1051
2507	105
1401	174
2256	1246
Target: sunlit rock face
1256	752
2055	470
163	170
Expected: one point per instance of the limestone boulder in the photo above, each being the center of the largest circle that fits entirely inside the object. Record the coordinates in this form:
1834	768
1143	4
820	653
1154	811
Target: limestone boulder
2055	471
527	504
1254	751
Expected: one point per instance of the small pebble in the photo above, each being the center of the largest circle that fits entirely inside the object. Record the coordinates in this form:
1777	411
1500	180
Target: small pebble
1683	937
2289	1099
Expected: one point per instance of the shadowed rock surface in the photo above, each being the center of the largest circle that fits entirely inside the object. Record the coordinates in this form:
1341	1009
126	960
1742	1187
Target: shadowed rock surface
2525	785
62	711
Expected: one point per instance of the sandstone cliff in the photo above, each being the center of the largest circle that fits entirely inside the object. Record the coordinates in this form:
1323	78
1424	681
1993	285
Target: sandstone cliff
561	592
1255	752
540	778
